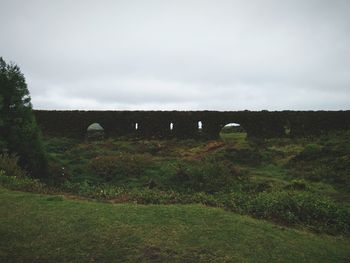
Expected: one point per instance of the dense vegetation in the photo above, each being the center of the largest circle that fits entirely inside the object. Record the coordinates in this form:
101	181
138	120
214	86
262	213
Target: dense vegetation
300	183
19	133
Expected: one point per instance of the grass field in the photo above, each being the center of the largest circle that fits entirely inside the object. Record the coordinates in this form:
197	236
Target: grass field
42	228
228	200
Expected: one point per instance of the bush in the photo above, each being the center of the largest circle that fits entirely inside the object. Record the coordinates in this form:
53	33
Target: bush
297	184
59	144
310	152
9	165
152	147
119	166
243	156
22	183
58	173
286	207
322	164
208	175
295	207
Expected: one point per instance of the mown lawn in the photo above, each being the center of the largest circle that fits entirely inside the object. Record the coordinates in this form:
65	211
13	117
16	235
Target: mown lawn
42	228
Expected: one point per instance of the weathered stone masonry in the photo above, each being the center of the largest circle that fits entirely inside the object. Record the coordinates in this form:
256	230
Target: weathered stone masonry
156	124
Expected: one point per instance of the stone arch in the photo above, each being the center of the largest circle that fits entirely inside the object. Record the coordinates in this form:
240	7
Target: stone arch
95	131
233	130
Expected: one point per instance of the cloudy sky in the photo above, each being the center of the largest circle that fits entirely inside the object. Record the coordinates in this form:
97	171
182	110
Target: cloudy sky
181	54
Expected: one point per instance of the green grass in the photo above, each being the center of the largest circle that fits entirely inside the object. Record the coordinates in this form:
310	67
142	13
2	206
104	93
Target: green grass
237	138
301	184
41	228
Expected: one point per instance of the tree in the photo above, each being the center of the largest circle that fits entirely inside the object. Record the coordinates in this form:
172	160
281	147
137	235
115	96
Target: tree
19	133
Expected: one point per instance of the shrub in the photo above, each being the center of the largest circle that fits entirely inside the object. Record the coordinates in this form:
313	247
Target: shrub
152	147
322	164
286	207
208	175
118	166
310	152
297	184
9	165
58	173
295	207
243	156
59	144
22	183
259	187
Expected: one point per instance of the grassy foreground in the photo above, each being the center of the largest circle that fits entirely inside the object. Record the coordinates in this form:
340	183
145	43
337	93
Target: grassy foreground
43	228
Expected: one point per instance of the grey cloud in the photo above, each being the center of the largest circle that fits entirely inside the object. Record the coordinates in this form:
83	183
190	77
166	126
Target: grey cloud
224	55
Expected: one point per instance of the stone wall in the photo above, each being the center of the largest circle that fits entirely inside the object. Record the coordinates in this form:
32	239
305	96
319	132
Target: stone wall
156	124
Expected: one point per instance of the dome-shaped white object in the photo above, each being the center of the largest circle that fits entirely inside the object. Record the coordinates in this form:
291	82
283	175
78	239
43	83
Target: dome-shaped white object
95	127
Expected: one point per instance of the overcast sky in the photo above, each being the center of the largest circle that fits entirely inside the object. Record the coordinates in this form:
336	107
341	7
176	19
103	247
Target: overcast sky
181	55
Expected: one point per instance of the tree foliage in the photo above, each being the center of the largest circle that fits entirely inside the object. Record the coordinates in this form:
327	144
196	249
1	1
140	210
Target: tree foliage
19	133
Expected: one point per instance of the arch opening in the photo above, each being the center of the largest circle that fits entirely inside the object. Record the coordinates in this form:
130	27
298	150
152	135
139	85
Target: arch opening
95	132
233	132
136	126
171	126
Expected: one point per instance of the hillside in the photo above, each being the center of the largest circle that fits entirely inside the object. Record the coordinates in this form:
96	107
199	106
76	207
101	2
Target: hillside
42	228
228	200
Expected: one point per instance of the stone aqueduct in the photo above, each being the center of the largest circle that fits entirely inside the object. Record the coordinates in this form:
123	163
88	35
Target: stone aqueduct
184	124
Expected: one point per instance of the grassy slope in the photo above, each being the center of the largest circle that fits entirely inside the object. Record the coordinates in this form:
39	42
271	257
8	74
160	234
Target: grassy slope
51	229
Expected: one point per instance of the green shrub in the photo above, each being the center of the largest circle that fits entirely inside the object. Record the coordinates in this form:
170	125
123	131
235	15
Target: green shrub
22	183
9	164
259	187
208	175
59	144
119	166
243	156
152	147
310	152
297	184
322	164
295	207
84	188
285	207
58	173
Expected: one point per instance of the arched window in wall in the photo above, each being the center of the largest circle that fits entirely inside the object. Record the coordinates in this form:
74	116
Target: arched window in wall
95	131
233	132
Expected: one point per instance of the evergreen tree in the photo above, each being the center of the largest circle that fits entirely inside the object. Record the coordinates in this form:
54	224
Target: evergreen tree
19	133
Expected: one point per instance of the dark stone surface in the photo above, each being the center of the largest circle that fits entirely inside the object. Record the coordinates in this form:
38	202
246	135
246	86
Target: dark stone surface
156	124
